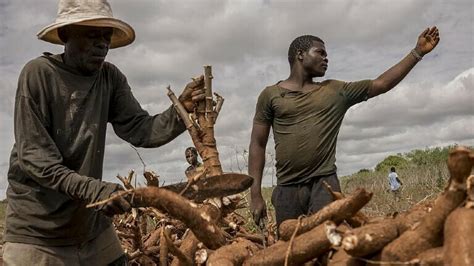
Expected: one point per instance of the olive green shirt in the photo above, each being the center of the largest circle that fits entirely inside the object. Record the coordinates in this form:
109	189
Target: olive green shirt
306	124
56	162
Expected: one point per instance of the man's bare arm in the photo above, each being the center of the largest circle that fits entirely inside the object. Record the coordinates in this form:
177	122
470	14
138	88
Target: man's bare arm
258	144
427	41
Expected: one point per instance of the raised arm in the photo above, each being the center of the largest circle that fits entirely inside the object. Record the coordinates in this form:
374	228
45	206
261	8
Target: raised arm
427	41
258	144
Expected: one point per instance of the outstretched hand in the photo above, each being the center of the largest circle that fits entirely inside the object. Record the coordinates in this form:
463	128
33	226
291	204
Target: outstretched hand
427	40
193	93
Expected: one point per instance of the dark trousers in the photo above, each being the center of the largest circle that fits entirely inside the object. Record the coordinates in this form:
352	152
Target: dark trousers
292	201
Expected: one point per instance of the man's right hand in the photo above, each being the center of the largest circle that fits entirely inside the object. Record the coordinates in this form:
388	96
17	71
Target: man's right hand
193	93
118	205
258	208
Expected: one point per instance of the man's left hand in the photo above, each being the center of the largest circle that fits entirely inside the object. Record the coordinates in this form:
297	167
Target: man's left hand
427	41
193	93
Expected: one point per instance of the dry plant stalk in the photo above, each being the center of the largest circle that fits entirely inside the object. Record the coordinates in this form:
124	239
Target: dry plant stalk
152	179
183	258
233	254
305	247
127	181
182	209
152	239
202	132
429	232
459	232
336	211
164	246
206	117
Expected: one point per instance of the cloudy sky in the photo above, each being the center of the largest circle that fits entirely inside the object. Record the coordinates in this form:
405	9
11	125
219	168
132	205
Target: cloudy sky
246	43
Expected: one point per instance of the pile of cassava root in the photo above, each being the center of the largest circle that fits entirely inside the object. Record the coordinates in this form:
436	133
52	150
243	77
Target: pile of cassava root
168	228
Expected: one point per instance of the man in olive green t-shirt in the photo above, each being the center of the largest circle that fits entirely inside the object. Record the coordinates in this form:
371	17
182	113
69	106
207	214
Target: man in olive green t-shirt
306	117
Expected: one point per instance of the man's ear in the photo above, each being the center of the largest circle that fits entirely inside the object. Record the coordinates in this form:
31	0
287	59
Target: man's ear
299	54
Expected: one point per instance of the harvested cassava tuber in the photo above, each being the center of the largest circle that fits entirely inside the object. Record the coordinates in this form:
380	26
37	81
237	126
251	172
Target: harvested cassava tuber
430	257
304	247
213	186
429	232
355	221
408	220
233	254
336	211
181	208
370	238
459	232
341	258
201	255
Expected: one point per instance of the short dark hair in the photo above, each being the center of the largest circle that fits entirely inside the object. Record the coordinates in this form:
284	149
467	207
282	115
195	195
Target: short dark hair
301	43
192	149
392	169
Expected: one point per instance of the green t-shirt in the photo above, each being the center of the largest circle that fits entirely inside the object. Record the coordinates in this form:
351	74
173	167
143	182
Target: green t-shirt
56	163
306	124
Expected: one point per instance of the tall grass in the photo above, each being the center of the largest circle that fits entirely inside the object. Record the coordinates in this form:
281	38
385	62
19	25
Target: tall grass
423	172
420	183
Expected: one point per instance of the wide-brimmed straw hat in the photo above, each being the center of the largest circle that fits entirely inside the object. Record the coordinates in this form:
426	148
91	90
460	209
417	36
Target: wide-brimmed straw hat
96	13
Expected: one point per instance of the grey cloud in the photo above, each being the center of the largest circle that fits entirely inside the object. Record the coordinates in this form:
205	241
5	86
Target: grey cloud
417	104
246	43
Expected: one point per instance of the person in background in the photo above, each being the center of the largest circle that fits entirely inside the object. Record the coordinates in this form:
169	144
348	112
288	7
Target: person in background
194	165
394	183
305	116
62	106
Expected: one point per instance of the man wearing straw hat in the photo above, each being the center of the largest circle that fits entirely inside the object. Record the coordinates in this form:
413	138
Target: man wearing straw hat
62	107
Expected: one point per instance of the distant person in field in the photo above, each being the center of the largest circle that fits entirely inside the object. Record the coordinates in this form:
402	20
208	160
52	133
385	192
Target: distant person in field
395	183
194	165
305	116
62	107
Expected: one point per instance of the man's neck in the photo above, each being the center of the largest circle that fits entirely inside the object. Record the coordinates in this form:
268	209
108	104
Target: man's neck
299	80
296	82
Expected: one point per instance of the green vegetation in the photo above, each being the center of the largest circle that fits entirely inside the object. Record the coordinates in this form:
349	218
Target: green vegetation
423	173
